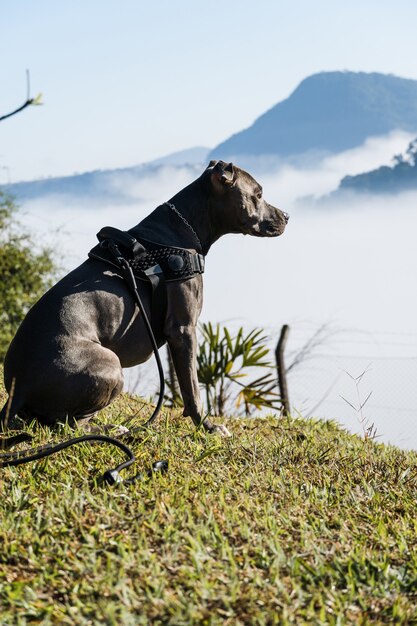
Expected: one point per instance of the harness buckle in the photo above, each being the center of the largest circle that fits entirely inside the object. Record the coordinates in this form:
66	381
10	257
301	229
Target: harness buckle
114	249
198	262
202	262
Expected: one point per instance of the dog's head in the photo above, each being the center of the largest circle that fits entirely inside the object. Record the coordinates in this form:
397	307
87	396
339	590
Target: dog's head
241	197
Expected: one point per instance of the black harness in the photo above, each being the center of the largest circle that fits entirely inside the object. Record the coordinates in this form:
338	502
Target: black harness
148	257
151	262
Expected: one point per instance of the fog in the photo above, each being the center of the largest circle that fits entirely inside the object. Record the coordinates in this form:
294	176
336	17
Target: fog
347	265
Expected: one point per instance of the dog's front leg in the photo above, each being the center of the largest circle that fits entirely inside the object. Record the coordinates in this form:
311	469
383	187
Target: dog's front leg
183	346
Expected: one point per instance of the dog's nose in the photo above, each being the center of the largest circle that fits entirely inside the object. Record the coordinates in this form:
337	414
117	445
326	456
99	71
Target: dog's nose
286	217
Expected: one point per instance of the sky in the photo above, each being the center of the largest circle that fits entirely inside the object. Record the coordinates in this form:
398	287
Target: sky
125	82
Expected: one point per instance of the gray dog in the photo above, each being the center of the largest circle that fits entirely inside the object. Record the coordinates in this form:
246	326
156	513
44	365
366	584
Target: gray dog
66	360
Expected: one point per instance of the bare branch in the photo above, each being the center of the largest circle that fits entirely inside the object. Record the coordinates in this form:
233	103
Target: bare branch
29	101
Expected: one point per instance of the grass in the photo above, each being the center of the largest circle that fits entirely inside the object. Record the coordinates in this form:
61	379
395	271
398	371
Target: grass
289	522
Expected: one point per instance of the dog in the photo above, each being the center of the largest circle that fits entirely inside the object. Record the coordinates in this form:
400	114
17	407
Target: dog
65	361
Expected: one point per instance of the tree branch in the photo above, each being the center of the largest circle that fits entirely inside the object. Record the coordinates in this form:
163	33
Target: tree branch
29	101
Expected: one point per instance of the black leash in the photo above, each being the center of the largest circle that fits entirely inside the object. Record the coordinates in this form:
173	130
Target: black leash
111	477
131	281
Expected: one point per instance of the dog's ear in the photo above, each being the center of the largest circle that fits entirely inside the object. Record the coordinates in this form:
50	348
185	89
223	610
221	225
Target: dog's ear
211	164
228	174
223	174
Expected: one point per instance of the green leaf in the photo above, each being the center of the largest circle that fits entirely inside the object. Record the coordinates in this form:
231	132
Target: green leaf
37	100
228	367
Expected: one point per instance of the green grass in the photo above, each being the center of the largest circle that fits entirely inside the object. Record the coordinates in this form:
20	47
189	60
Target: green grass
289	522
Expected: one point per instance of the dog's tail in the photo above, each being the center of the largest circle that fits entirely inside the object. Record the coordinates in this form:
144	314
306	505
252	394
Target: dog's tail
7	415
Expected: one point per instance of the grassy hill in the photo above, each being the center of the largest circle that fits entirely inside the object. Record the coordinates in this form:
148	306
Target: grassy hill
289	522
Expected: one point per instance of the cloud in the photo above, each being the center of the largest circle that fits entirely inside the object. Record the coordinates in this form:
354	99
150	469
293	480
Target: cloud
71	224
290	182
350	265
154	185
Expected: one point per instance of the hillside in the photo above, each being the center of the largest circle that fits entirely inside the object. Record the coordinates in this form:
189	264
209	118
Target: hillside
109	185
401	176
289	522
328	112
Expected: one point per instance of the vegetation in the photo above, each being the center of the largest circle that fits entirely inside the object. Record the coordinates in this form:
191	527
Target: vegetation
224	363
291	521
26	271
401	176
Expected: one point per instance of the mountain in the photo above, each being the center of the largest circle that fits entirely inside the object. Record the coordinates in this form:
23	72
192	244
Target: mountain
328	112
401	176
110	185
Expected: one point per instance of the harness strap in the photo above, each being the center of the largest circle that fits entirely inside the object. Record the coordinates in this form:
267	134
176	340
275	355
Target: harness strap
122	238
152	262
159	296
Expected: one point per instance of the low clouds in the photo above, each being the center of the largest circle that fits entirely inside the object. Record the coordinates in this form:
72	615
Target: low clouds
327	261
319	176
348	264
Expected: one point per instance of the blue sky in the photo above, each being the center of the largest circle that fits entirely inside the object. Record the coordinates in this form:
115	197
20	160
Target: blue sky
128	81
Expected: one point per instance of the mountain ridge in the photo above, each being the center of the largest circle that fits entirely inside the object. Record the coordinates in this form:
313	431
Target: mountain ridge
108	184
328	112
400	176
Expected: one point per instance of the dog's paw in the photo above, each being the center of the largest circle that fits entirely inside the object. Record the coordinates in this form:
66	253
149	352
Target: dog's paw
219	429
216	429
113	430
118	431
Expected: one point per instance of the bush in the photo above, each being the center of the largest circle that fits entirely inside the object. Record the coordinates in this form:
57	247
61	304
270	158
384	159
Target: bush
224	364
26	271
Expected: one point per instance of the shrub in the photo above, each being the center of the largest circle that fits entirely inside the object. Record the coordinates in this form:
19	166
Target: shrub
26	271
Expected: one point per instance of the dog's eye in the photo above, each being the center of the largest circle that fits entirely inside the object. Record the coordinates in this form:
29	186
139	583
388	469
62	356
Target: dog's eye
259	195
